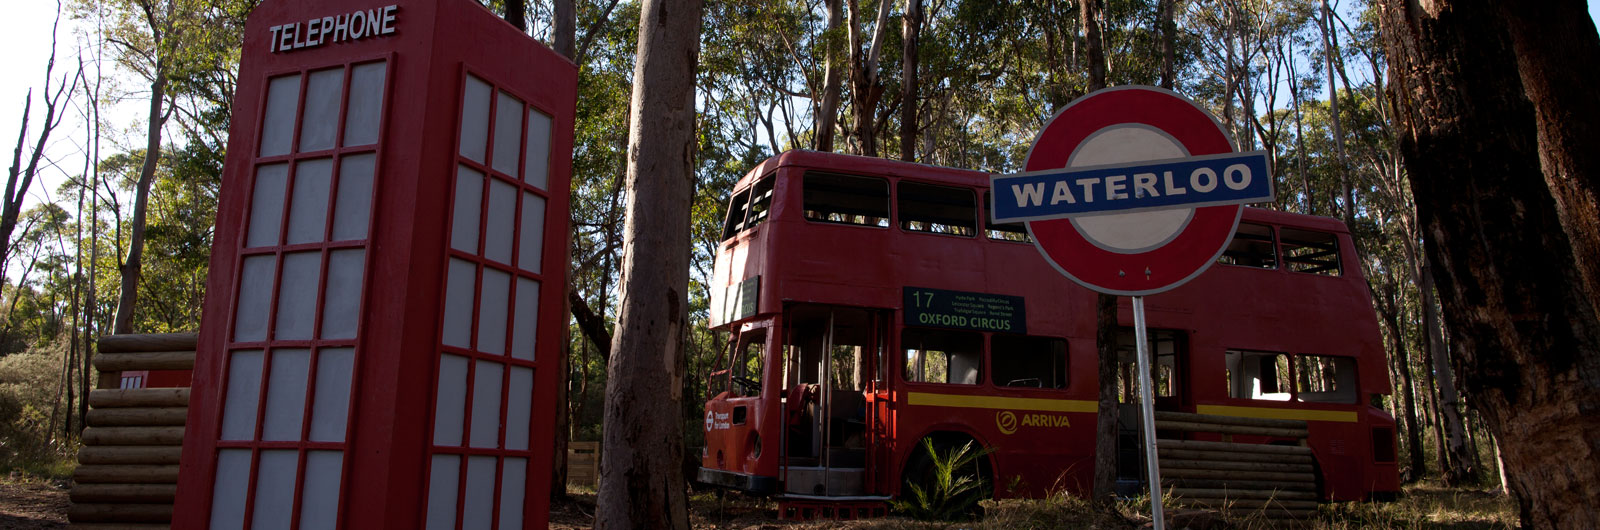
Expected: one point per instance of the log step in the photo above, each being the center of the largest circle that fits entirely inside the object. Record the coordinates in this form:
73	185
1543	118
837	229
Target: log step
139	397
125	474
1240	484
130	454
157	360
1239	475
1189	454
124	493
1229	420
119	513
133	436
144	342
1229	429
1195	445
1222	464
1238	494
120	526
138	416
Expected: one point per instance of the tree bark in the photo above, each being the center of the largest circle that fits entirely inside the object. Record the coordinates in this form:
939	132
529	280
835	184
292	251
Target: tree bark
564	28
1105	448
1524	332
517	14
1391	318
833	78
642	483
1453	452
1169	31
563	39
1329	49
910	29
131	268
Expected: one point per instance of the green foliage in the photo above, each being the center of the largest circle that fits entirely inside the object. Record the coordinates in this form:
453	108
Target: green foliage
27	396
952	487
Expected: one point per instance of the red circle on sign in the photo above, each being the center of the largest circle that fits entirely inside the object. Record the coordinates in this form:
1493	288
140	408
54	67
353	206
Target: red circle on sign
1195	247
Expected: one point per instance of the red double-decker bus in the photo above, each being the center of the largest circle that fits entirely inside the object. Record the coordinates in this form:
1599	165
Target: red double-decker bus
871	305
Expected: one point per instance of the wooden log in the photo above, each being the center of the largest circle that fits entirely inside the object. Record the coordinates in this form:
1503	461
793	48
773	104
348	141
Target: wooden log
1230	420
1238	475
121	526
1234	447
1239	484
1187	454
1248	504
138	416
1225	493
1224	464
133	436
139	397
1229	429
139	342
156	360
124	493
119	513
126	474
130	454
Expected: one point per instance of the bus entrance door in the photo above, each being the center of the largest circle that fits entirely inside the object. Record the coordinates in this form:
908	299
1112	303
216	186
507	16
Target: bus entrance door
830	356
1168	359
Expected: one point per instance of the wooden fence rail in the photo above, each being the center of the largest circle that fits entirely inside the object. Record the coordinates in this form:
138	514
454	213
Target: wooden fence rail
1277	481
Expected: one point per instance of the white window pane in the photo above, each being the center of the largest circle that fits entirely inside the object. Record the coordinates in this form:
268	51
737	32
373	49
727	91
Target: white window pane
319	490
507	133
469	202
494	301
277	126
275	489
486	404
341	299
526	329
513	483
286	395
474	119
536	171
365	108
330	406
244	393
266	205
319	122
451	401
501	224
442	483
353	205
308	207
477	512
297	296
519	403
458	298
530	250
229	491
255	298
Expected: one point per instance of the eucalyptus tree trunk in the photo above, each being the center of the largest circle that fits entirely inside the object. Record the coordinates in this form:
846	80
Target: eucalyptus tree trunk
865	84
1329	50
910	30
1453	454
641	479
1169	30
832	78
563	39
132	266
1105	447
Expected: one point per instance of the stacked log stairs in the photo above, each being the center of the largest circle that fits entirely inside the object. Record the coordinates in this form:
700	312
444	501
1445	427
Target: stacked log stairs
1278	482
128	467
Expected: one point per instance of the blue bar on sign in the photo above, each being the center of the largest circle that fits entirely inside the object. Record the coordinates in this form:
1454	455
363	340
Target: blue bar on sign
1232	178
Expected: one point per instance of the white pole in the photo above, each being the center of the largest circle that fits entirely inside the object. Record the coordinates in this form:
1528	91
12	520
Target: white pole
1147	409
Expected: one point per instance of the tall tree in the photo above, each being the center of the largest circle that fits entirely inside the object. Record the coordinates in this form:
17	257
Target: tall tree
1525	336
1105	449
642	483
833	76
866	83
23	169
910	29
149	29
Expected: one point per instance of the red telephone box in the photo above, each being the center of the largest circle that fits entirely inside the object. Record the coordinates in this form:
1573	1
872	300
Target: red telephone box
386	299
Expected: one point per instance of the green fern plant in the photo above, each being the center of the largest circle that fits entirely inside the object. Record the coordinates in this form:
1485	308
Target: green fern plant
950	489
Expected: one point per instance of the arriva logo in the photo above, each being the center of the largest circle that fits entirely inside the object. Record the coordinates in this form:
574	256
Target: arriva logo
1006	421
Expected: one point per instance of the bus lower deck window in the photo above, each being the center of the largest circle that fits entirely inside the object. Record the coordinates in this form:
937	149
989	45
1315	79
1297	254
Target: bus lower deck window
1029	362
940	356
1325	379
937	209
1257	375
1312	252
846	199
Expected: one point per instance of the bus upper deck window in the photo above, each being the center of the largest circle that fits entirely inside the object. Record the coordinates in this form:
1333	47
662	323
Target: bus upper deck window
736	214
1029	362
1252	246
1006	231
748	207
1325	379
937	209
939	356
846	199
1313	252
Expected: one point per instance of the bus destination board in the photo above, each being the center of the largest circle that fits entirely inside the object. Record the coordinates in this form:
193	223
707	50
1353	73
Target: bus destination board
942	308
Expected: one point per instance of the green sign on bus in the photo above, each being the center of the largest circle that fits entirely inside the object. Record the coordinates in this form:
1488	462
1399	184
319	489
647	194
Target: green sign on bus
942	308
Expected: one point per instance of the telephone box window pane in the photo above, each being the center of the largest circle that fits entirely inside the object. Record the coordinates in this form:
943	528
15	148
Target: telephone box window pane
442	492
469	201
536	171
277	125
451	400
229	491
341	298
244	392
354	203
502	222
527	319
297	296
319	121
365	110
530	250
275	488
330	406
458	298
319	490
255	298
477	513
492	306
286	395
474	119
519	399
507	133
486	404
266	205
513	480
308	208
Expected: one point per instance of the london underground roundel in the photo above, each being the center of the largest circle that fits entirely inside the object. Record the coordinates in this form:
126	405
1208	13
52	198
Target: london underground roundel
1132	190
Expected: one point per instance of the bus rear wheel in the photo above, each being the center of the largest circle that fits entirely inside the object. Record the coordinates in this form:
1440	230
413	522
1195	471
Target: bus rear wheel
952	475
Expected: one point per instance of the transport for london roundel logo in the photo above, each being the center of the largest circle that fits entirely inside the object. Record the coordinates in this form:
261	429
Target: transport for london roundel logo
1006	421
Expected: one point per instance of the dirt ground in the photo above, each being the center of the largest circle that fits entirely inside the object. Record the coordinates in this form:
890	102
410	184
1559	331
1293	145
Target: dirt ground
32	504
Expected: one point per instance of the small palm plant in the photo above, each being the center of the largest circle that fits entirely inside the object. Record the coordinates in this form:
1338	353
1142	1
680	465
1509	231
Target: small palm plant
949	485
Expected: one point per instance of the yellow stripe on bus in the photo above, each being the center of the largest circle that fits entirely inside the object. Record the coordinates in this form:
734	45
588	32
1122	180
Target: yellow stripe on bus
1278	414
994	402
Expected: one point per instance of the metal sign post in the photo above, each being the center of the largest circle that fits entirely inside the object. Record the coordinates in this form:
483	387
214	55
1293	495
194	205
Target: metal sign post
1147	413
